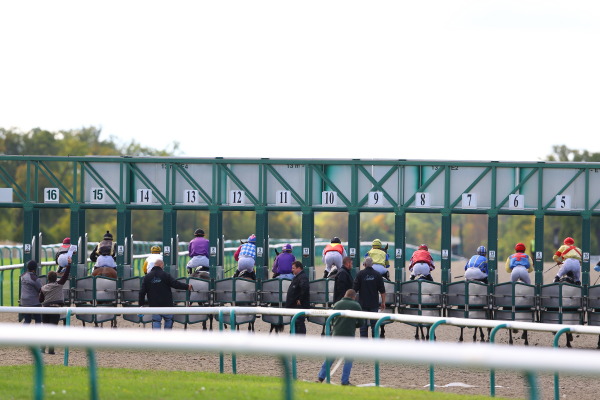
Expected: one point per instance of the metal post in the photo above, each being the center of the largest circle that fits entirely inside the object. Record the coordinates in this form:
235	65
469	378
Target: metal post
38	373
67	323
431	367
328	333
232	326
293	332
556	378
93	375
493	371
378	324
287	378
221	367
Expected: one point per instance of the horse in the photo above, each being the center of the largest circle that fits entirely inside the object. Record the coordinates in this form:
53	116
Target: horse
107	272
462	328
419	327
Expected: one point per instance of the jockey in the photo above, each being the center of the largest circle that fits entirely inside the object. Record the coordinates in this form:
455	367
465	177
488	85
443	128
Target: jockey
61	257
198	250
519	264
421	263
381	260
569	258
152	258
333	254
477	268
282	267
245	256
104	252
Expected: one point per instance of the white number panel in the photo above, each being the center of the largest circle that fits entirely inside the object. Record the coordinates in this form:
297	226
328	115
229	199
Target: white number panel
516	202
563	202
51	195
191	197
237	197
329	198
422	199
144	196
375	198
469	200
97	195
283	197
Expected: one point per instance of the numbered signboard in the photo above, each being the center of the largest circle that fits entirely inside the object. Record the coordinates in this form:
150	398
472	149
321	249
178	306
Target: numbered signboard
563	202
51	195
191	197
329	198
97	195
422	199
469	200
283	198
144	196
237	197
375	199
516	201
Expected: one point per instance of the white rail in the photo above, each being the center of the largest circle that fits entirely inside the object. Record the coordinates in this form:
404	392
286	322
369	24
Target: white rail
402	318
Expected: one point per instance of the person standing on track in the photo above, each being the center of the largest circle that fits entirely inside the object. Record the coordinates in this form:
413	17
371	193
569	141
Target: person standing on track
157	285
51	295
298	295
369	285
343	280
30	292
343	326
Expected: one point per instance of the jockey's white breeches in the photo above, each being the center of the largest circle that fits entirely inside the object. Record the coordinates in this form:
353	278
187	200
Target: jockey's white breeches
570	265
332	258
520	273
246	263
380	268
474	273
197	261
420	269
105	261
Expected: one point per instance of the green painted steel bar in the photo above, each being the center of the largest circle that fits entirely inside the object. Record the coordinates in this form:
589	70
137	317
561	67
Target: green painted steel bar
221	366
533	387
232	327
91	354
328	333
493	371
67	323
38	373
556	377
288	382
293	332
377	327
432	367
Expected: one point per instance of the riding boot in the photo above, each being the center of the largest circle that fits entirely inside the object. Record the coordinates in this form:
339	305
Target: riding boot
325	273
412	277
237	273
556	279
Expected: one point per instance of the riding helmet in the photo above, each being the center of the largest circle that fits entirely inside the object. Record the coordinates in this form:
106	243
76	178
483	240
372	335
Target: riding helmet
520	247
481	250
155	249
287	247
108	236
336	240
67	241
198	232
376	243
424	247
569	241
252	238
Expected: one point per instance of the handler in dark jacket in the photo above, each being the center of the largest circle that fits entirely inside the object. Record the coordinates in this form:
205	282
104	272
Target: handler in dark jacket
157	285
298	294
369	285
343	280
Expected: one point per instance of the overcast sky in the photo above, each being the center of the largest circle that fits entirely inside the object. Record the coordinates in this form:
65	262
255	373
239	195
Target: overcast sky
453	80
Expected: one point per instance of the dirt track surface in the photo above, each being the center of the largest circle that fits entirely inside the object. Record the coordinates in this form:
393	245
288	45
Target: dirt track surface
392	375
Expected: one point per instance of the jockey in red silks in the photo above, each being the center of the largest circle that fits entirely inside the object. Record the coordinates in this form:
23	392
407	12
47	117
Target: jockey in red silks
333	254
421	263
519	264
